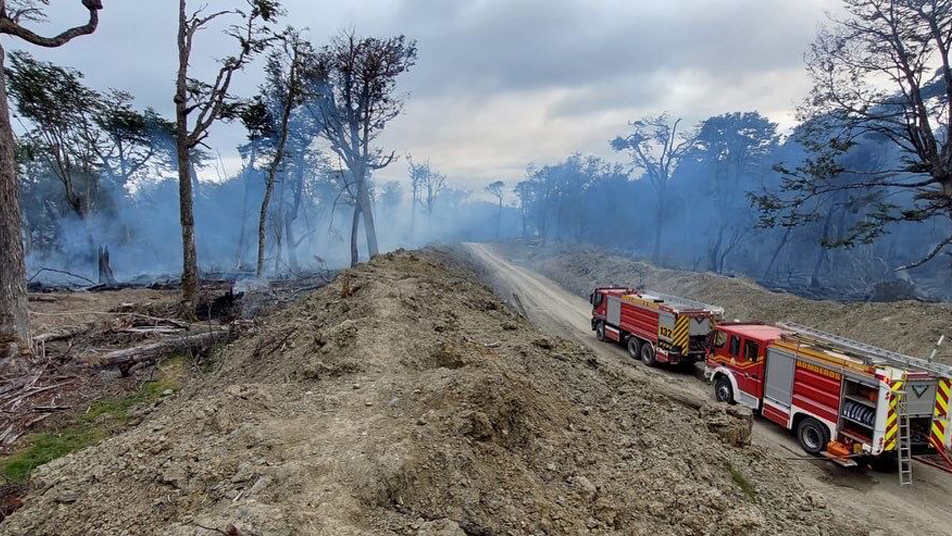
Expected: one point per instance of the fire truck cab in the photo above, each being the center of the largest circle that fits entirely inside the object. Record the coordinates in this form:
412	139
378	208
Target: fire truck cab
844	399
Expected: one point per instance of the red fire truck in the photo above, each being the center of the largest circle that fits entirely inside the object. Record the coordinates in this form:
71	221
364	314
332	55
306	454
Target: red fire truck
655	327
844	399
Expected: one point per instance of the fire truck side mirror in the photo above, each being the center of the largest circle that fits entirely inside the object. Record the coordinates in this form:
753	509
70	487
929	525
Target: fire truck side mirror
591	298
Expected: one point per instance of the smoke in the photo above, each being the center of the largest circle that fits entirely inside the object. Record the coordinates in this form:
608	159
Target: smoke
142	230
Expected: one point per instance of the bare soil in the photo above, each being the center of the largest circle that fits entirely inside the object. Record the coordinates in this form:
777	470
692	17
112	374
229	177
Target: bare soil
851	494
404	398
911	327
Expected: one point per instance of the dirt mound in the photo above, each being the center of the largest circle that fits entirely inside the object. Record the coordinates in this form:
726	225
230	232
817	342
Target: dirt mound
405	399
905	326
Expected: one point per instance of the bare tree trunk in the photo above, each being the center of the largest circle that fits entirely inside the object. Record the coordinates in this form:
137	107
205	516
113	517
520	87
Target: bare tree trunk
278	242
523	221
105	270
14	328
186	214
367	209
776	253
354	229
249	171
288	106
714	251
295	209
413	211
821	253
193	171
291	244
499	220
263	221
658	230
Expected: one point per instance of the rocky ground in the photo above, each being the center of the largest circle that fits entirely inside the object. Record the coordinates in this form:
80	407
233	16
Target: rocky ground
404	398
910	326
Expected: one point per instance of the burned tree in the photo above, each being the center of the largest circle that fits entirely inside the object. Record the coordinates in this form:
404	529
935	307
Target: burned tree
208	103
14	329
286	73
417	172
355	84
880	73
497	189
733	145
432	183
657	148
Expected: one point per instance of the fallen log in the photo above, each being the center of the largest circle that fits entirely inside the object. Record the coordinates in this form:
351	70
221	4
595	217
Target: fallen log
127	357
60	335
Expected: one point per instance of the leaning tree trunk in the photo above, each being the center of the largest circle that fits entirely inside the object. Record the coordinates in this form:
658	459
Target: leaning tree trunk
272	173
14	329
776	253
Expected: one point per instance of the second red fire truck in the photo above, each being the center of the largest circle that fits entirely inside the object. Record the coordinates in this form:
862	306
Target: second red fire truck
655	327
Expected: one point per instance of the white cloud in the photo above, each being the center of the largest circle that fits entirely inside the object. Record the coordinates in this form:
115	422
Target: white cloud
502	83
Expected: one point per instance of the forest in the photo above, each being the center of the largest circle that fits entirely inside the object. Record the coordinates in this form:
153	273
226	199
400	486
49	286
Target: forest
855	201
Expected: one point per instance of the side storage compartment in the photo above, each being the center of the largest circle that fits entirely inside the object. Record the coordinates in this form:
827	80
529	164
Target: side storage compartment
858	412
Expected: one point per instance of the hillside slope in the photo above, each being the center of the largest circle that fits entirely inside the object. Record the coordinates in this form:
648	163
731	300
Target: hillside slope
405	399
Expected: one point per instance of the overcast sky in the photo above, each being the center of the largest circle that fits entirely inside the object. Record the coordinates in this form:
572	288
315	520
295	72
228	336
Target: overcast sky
499	84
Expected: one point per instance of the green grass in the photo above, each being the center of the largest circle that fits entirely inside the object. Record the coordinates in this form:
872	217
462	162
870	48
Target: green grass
47	447
104	417
742	482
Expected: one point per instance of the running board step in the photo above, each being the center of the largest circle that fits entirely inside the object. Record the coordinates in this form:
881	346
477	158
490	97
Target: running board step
845	462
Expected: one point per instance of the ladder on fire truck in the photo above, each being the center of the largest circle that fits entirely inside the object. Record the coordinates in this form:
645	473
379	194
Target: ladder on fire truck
868	353
904	442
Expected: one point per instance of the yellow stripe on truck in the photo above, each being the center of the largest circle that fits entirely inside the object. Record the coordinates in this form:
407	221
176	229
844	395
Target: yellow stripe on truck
940	419
892	417
681	327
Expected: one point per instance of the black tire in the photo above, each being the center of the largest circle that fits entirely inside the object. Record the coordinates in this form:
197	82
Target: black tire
648	354
634	347
600	331
813	436
723	390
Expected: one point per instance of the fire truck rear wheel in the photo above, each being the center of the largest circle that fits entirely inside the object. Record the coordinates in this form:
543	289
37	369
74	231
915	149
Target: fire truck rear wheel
634	346
600	331
723	390
648	354
813	435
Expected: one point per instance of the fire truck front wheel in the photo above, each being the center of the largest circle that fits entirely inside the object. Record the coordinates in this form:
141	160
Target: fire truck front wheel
600	331
723	391
813	435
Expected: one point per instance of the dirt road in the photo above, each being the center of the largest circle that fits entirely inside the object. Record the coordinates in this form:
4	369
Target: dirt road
925	508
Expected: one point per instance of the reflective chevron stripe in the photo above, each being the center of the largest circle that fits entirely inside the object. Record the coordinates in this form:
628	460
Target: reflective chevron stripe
940	419
892	416
681	328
